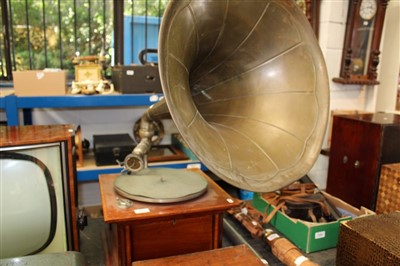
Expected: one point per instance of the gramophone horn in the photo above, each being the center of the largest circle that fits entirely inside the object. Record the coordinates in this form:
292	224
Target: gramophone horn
246	85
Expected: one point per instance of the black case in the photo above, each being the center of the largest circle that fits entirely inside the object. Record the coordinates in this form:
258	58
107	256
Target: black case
136	79
143	78
110	148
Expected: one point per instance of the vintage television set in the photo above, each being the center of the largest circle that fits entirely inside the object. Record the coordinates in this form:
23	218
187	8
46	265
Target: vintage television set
37	192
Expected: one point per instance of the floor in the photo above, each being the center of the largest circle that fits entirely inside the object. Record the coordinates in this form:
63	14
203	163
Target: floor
92	240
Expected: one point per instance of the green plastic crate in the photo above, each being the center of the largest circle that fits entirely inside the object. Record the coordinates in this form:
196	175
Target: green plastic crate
309	237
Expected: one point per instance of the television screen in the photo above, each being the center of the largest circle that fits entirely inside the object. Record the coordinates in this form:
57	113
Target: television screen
31	201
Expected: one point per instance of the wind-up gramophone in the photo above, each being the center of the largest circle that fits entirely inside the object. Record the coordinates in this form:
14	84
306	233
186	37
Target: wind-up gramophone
246	85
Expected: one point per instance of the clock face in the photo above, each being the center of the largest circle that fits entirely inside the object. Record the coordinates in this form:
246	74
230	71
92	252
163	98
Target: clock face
368	9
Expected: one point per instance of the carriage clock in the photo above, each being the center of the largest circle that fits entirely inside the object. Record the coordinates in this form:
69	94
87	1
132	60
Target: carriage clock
360	56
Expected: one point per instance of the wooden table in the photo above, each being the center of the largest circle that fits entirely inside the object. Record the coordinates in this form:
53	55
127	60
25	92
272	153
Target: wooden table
229	256
147	230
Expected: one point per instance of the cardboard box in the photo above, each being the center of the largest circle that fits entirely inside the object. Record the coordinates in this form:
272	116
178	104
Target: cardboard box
310	237
40	82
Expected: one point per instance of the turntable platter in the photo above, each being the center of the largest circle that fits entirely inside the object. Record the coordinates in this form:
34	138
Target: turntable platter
161	185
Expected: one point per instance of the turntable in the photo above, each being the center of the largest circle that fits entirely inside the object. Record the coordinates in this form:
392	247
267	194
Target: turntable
161	185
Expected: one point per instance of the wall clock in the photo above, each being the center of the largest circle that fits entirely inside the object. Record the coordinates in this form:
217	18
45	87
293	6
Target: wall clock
360	56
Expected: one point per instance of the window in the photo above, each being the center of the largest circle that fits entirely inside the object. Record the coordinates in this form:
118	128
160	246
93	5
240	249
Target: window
48	34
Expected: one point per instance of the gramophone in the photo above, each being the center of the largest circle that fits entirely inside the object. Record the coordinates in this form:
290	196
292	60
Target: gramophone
245	83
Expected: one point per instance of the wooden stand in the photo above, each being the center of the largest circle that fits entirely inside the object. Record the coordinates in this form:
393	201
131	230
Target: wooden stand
147	231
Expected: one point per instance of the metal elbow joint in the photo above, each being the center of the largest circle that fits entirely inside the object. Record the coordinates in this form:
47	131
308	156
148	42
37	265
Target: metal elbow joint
134	162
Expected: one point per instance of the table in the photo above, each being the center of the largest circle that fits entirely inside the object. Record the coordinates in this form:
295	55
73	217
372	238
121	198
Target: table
229	256
149	230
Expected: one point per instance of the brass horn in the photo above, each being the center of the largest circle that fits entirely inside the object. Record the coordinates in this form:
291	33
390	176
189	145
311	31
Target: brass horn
246	84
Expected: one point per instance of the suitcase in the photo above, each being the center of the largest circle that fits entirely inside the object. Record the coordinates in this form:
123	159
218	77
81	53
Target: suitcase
108	149
136	79
143	78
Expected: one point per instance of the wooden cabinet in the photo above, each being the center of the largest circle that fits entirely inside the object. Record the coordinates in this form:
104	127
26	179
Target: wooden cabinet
360	145
149	230
235	255
51	148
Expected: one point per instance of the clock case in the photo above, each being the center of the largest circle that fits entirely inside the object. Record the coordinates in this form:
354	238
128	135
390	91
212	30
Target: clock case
351	38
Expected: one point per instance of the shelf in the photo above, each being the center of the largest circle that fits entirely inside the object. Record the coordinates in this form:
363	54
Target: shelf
12	103
3	93
91	173
2	103
86	101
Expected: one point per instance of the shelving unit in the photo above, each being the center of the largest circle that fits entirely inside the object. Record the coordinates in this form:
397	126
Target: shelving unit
12	104
2	102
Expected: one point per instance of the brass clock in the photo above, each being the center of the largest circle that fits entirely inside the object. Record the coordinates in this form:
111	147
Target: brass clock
360	56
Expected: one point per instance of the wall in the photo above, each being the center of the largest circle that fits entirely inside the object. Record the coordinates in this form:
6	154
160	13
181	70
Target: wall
390	56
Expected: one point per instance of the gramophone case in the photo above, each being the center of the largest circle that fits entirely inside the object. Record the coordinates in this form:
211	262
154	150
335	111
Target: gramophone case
110	148
360	145
136	79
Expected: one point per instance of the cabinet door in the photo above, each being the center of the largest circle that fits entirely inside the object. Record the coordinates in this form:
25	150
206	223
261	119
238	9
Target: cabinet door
353	161
172	237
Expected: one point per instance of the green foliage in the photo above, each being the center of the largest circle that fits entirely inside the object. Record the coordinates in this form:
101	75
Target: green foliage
81	27
145	7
